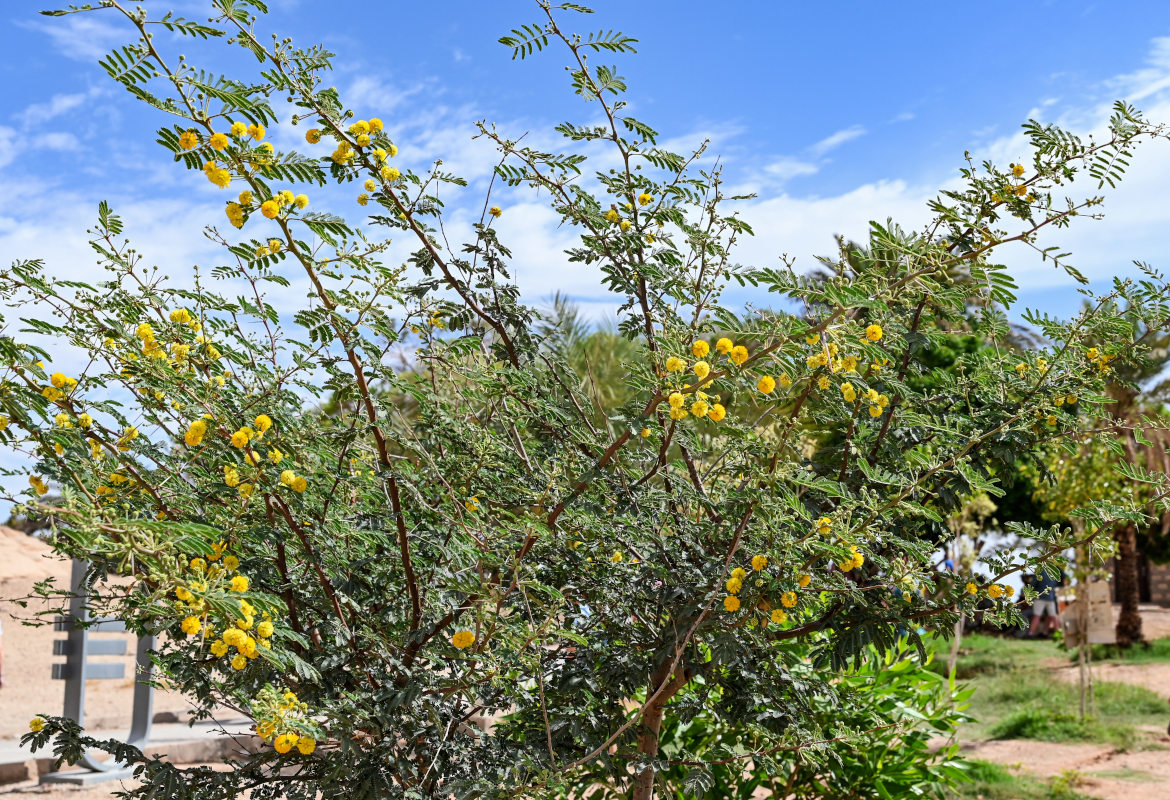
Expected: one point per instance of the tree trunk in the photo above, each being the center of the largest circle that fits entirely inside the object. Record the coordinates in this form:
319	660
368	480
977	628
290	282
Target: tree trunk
956	643
1129	621
652	725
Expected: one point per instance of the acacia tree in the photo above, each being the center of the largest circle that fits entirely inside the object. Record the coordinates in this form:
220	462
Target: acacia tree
366	584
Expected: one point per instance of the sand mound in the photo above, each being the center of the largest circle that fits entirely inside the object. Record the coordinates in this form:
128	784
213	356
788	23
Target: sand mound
24	556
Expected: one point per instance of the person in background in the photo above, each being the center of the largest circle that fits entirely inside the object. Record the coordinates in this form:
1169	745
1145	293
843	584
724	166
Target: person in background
1045	612
1025	607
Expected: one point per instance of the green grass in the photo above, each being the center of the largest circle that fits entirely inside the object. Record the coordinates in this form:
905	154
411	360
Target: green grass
1155	652
980	654
993	782
1017	696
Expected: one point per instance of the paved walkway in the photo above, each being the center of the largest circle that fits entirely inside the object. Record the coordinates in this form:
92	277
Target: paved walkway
176	742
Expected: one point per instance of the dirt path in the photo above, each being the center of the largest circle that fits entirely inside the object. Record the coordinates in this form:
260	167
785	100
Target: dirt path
1100	771
1155	677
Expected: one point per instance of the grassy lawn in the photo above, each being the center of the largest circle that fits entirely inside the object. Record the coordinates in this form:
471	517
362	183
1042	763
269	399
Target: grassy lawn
993	782
1157	651
1018	697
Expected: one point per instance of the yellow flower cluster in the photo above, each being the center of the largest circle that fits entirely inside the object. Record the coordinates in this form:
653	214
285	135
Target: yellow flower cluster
281	718
877	402
243	633
702	405
463	639
1100	359
217	174
735	584
195	433
853	562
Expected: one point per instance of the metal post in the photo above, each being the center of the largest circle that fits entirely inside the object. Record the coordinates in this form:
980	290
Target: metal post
77	669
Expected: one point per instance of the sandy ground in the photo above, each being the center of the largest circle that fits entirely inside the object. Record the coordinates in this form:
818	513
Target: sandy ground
49	792
1101	771
28	651
1155	677
1155	621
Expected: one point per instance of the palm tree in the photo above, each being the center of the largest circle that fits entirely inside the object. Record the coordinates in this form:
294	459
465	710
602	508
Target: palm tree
1140	395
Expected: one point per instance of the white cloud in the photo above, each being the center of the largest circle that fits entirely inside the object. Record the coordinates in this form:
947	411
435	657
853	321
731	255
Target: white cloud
58	104
9	145
837	139
787	167
81	37
57	140
1150	79
381	93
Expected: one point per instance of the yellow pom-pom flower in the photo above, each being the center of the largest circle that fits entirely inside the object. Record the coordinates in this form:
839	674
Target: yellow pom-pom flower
766	384
284	742
463	639
759	563
731	603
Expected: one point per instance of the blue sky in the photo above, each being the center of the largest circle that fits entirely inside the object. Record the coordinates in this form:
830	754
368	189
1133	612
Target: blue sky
835	113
